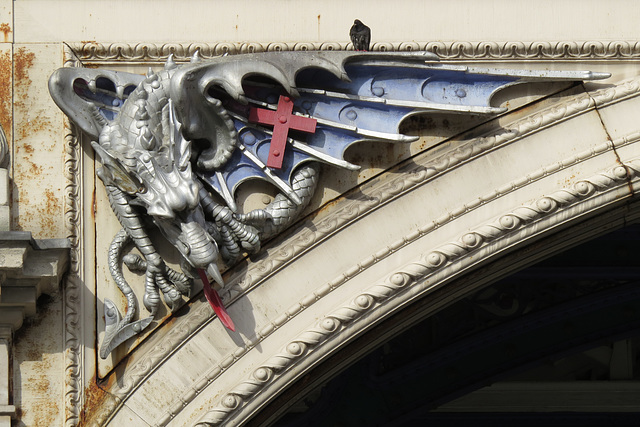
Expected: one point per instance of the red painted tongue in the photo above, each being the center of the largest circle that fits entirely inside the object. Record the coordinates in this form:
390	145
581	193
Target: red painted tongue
215	302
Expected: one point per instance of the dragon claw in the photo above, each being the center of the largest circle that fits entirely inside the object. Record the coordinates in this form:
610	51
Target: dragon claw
150	301
172	284
173	298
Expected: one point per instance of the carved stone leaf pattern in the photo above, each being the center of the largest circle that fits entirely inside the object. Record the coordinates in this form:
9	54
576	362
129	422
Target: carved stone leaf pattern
72	287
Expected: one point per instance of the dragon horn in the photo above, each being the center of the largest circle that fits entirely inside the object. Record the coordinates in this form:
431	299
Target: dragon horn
196	57
170	64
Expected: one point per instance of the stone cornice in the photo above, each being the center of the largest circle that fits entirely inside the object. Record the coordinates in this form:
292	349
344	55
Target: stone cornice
451	51
28	268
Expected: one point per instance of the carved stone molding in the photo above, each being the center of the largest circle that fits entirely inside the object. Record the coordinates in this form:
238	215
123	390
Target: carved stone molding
74	348
423	170
463	51
73	284
521	220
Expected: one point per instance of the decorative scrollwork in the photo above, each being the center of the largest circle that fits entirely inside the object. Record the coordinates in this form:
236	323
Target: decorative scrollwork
450	51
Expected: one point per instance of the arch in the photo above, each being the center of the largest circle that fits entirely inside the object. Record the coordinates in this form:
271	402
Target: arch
492	201
556	340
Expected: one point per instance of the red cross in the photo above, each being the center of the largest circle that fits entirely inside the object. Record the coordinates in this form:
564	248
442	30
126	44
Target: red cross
282	120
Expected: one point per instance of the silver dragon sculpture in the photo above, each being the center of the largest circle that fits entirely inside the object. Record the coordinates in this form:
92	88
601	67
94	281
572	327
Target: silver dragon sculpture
176	143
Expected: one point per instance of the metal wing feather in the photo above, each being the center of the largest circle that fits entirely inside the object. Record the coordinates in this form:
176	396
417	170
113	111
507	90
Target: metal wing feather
93	98
354	96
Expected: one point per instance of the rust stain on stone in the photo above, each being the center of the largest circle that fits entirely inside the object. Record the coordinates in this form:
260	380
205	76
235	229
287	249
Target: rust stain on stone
5	93
52	201
6	29
48	213
28	148
41	122
34	169
23	60
31	134
94	205
327	207
95	398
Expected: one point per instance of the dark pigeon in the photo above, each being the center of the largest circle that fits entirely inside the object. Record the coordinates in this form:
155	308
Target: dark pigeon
360	35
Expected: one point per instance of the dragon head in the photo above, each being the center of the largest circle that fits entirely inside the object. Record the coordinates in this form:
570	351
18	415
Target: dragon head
161	180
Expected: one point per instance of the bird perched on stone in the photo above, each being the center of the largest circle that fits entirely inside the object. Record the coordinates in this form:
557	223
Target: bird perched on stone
360	35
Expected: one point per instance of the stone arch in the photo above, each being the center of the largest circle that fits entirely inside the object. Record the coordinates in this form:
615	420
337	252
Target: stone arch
558	172
553	341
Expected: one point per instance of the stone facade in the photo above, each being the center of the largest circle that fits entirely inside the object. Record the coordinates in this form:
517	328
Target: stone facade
411	228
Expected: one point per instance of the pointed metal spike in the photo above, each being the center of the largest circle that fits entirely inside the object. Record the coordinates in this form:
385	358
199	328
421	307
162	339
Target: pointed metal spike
595	75
120	92
394	137
214	272
196	57
322	156
91	84
150	72
170	64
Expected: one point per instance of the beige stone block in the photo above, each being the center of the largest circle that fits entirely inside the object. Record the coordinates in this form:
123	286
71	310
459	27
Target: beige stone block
6	21
325	21
5	218
39	153
126	417
12	258
4	186
6	90
619	118
5	363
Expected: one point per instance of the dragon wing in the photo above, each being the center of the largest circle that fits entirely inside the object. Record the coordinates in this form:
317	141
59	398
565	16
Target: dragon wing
93	98
353	96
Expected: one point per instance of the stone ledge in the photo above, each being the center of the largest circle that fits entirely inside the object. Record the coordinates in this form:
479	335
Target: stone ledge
7	410
28	268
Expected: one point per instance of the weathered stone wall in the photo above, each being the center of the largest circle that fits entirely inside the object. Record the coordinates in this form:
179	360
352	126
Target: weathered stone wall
54	195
